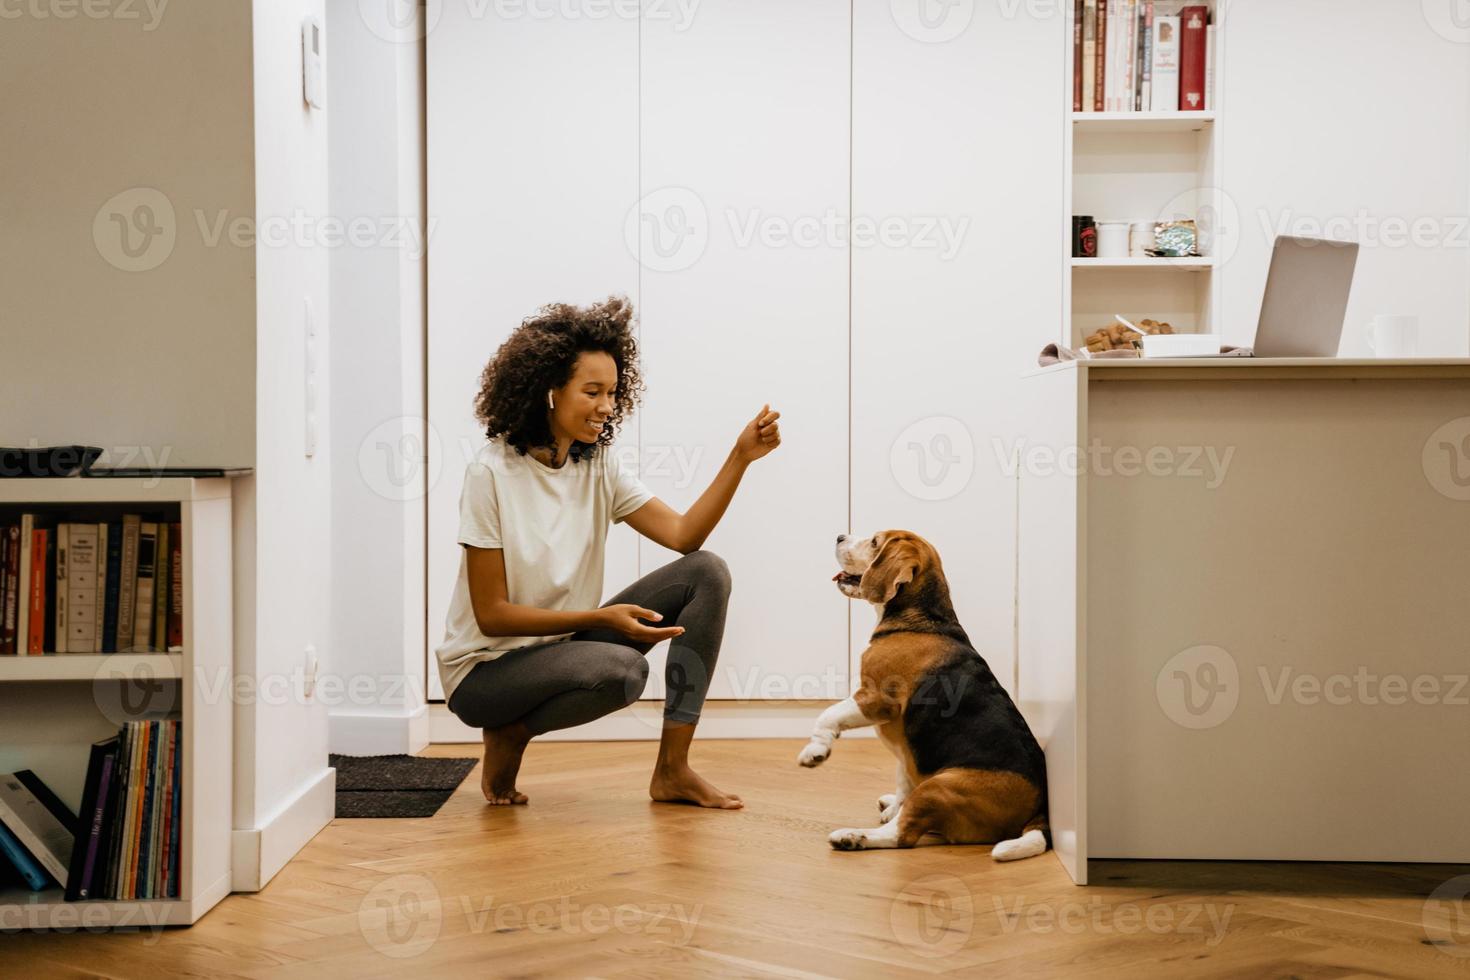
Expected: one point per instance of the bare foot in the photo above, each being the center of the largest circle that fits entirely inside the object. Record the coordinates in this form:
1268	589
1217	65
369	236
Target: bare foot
684	785
503	750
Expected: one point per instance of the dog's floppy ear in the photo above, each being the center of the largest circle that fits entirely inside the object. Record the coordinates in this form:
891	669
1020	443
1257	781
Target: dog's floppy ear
895	565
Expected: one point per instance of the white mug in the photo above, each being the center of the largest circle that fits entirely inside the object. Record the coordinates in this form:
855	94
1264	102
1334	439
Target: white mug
1140	239
1393	335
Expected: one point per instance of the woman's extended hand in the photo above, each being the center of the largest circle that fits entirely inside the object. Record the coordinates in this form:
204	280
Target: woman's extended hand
624	617
760	435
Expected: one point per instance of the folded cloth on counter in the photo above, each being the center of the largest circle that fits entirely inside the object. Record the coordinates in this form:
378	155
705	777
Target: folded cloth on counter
1056	354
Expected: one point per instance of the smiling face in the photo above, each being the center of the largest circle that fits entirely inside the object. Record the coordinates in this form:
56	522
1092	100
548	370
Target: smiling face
586	402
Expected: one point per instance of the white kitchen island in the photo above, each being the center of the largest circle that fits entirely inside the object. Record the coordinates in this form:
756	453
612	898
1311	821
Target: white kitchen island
1243	595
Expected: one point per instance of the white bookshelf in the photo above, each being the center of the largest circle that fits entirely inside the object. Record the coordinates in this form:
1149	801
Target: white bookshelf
54	706
1144	166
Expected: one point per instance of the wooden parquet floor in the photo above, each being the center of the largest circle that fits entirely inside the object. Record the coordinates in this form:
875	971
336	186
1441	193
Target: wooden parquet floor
594	880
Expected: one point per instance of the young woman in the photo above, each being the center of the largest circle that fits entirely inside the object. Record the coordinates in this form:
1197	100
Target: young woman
526	648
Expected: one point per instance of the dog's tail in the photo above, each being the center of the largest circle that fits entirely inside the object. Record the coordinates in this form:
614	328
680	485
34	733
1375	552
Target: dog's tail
1035	839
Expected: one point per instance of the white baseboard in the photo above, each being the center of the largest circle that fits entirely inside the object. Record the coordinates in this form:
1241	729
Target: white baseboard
382	734
257	853
644	720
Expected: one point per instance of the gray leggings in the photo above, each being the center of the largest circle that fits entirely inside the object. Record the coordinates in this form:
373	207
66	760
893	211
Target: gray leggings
565	683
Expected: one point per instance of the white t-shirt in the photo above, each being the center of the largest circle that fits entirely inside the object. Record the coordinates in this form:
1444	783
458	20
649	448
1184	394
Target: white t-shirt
551	525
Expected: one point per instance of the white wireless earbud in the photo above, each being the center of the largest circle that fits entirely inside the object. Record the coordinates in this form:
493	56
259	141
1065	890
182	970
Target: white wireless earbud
550	399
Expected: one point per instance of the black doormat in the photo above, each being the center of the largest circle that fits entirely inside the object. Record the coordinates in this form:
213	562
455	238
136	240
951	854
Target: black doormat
395	785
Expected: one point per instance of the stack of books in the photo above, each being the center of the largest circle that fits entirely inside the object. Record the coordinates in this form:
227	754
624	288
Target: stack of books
71	587
1142	56
125	845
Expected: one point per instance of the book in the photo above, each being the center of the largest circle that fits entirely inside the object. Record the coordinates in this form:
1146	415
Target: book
23	593
48	642
1077	56
1210	67
113	576
1166	64
1192	39
128	582
1130	58
99	599
36	641
160	585
143	590
59	614
30	871
96	792
1146	58
172	890
81	576
11	545
108	885
1100	95
1089	54
39	821
175	626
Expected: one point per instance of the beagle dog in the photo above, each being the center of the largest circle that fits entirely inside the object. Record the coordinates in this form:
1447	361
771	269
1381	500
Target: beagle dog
969	769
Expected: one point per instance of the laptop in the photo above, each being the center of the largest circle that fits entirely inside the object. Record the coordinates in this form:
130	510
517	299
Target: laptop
1306	299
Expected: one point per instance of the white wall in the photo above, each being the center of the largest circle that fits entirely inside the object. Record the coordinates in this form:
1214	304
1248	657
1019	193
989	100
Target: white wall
1352	117
283	788
375	93
102	116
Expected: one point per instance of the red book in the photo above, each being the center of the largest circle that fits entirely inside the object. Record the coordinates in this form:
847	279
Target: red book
1192	47
1099	72
1077	56
36	642
174	628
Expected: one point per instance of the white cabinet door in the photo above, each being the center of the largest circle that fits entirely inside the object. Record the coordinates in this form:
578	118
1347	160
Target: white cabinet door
532	167
741	233
957	153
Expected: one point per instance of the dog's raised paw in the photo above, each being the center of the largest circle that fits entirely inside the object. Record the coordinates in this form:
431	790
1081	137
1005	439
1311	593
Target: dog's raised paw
886	800
888	813
846	839
813	754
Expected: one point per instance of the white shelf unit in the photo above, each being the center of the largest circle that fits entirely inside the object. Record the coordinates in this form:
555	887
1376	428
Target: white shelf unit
54	706
1144	166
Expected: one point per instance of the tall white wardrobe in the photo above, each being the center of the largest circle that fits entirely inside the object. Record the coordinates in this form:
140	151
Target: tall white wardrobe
708	159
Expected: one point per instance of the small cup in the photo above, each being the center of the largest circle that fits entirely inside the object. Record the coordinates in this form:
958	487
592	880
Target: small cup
1140	239
1393	335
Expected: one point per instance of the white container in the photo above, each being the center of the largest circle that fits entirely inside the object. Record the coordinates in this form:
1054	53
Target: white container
1181	345
1393	335
1140	239
1112	239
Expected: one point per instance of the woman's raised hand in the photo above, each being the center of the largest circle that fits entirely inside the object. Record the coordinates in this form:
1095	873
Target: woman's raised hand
760	435
624	617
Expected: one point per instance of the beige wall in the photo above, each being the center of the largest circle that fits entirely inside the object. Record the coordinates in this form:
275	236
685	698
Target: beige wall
162	358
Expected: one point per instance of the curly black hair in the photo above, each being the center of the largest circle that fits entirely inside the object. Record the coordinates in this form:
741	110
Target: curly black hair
540	355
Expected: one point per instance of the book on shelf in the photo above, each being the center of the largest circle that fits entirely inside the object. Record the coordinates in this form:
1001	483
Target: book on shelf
1142	56
90	587
41	822
125	844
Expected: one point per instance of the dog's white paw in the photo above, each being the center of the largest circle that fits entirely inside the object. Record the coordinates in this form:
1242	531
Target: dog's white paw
890	811
814	754
885	801
846	839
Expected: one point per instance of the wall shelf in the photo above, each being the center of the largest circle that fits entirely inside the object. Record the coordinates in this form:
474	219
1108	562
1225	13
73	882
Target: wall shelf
1141	122
49	727
1193	263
